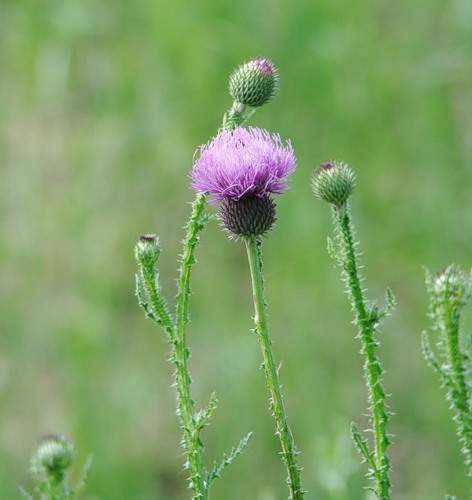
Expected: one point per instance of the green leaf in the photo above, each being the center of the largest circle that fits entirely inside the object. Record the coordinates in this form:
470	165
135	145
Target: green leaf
331	249
390	304
203	416
228	459
363	447
84	476
431	359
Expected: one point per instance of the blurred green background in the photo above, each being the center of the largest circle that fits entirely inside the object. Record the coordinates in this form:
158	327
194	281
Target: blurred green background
102	106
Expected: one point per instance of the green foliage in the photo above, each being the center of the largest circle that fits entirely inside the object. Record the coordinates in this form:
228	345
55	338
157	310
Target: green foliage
449	291
228	459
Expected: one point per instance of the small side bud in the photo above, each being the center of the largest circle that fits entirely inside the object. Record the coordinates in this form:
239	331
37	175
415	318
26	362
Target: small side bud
53	456
333	182
254	83
147	250
249	216
450	285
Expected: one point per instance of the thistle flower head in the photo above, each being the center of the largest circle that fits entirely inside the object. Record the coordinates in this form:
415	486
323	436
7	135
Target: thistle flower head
240	168
254	83
243	162
333	182
450	286
147	250
53	456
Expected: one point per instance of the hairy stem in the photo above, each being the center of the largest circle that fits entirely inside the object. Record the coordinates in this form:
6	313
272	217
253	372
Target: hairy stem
180	354
459	395
289	452
366	323
159	312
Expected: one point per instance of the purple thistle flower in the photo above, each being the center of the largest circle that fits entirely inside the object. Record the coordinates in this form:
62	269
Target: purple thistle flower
243	162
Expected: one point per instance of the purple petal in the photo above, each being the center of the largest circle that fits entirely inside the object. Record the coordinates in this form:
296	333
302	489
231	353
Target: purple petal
243	161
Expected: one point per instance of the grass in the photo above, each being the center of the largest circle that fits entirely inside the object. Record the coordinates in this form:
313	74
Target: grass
102	106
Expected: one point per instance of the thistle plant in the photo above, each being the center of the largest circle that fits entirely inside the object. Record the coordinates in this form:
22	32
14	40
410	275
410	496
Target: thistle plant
49	465
334	183
449	291
250	86
241	169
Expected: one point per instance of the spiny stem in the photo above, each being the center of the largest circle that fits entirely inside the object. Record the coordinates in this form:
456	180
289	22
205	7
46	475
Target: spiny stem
460	394
180	355
289	452
180	351
449	291
160	313
366	323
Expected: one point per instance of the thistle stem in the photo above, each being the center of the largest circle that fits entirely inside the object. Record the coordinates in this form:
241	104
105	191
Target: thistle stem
160	313
180	354
366	323
289	452
460	394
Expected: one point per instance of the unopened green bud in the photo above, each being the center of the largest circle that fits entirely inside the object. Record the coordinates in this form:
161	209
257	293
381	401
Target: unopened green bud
450	285
333	182
254	83
53	455
147	250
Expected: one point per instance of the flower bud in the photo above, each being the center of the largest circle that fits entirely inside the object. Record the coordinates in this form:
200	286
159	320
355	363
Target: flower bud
254	83
147	250
333	182
451	285
249	216
53	455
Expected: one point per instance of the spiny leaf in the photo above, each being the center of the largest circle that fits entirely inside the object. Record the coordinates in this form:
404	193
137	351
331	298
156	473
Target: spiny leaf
390	304
363	447
150	298
431	359
84	476
143	300
228	459
332	249
202	417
